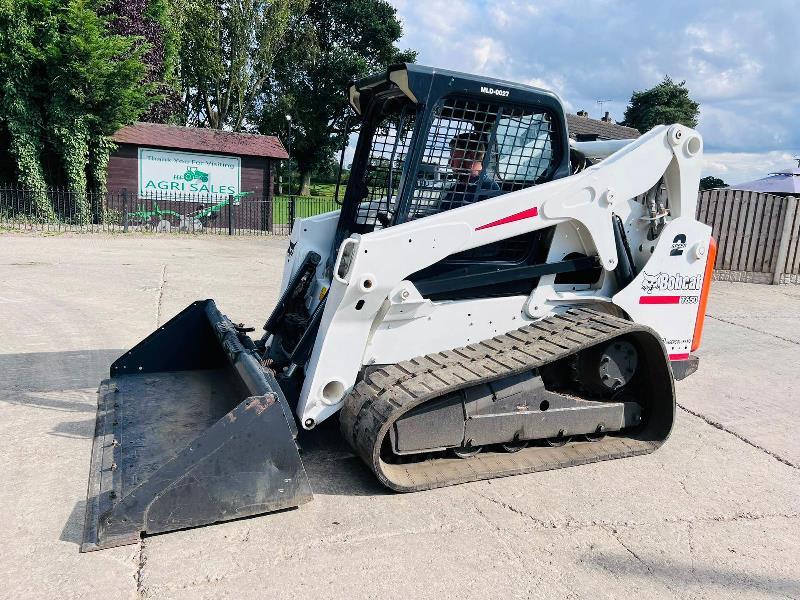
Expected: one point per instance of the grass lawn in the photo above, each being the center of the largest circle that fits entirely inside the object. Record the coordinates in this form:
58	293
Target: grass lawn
304	207
327	190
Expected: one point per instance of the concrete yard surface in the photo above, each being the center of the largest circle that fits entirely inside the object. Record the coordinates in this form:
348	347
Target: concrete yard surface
713	514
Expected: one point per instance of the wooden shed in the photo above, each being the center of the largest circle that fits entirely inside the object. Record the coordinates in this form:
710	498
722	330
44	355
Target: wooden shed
155	157
191	173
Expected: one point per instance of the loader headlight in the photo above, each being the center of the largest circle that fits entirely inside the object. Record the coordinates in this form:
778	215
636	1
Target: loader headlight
347	254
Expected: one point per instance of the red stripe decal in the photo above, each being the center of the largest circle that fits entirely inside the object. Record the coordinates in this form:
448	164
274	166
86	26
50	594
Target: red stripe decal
659	299
679	356
525	214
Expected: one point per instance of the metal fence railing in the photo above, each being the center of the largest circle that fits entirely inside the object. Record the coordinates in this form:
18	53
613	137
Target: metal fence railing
758	234
55	209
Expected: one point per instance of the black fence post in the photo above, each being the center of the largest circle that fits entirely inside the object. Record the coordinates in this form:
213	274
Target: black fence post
267	199
230	214
125	211
291	212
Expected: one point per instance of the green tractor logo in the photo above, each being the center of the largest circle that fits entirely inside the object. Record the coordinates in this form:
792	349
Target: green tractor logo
195	173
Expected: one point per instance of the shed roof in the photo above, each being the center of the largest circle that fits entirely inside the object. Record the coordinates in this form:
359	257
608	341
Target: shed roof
604	130
205	140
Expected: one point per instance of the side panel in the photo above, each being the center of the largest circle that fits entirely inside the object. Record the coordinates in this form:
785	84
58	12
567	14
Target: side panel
455	324
665	295
310	234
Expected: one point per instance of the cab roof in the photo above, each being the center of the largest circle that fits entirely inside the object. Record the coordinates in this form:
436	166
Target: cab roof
422	84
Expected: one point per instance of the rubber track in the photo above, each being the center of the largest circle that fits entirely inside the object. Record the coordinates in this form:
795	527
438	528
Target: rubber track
387	393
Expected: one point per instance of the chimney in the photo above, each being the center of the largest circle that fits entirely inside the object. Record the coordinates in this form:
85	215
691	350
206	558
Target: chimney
606	118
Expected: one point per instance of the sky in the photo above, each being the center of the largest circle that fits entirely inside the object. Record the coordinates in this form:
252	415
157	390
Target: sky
740	60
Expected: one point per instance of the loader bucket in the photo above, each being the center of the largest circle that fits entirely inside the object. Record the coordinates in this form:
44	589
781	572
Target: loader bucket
190	431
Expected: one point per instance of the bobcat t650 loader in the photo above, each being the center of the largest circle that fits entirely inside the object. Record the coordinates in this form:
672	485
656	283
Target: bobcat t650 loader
490	300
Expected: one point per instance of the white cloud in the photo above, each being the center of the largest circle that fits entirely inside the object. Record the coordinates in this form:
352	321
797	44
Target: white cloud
739	60
501	17
739	167
720	63
554	84
436	29
746	125
487	54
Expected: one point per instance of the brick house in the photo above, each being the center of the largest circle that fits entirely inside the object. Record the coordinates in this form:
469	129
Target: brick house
583	128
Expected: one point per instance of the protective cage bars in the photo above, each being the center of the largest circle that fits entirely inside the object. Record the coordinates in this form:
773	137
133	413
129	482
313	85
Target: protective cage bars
473	150
388	151
477	150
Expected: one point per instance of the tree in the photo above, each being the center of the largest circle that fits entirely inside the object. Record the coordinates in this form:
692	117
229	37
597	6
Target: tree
334	42
66	84
327	171
711	183
153	22
666	103
24	25
96	85
226	55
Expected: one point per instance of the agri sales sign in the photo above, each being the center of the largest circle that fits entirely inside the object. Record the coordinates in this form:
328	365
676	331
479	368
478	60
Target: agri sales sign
187	175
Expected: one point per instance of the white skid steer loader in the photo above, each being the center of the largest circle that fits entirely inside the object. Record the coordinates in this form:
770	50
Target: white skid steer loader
490	300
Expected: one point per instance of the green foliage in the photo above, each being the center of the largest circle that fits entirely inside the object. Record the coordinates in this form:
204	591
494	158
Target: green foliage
665	104
710	183
23	26
94	90
154	24
72	72
334	42
65	82
328	170
226	55
100	149
304	207
98	73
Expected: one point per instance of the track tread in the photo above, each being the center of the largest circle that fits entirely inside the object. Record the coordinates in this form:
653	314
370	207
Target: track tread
388	392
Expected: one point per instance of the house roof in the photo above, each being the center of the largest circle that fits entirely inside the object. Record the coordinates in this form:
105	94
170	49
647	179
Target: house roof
205	140
604	130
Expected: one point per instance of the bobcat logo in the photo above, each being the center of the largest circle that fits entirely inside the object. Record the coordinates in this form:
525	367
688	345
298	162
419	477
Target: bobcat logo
649	282
668	282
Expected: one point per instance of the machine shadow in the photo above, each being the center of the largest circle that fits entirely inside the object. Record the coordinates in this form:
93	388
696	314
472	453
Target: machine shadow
683	571
58	381
331	465
56	371
72	531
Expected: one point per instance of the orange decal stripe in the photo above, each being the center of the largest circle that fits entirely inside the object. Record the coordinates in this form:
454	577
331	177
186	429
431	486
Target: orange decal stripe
701	309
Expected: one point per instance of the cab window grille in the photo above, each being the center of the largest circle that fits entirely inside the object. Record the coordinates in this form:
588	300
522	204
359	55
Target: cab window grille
390	144
477	150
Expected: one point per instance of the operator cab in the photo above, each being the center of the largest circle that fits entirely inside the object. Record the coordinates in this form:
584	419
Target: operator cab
422	126
433	140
